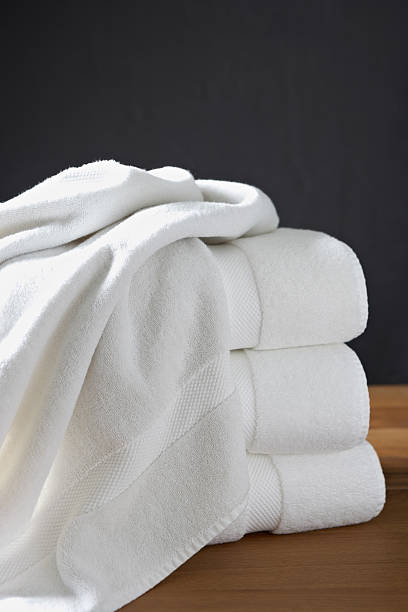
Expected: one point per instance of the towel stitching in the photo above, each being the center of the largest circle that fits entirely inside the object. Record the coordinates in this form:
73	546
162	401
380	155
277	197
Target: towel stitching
281	494
255	395
257	291
188	550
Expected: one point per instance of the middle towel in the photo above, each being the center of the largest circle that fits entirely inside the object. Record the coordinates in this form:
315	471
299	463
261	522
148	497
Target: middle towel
301	400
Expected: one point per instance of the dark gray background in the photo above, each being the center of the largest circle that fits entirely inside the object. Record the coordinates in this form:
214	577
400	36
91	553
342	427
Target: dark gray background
306	100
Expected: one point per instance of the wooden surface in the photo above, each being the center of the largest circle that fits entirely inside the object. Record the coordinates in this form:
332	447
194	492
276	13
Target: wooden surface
361	567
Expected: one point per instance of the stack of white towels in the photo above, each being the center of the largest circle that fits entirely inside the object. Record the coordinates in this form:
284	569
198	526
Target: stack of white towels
131	382
294	298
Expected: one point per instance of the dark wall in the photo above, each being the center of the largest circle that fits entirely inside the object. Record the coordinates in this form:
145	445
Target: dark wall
307	100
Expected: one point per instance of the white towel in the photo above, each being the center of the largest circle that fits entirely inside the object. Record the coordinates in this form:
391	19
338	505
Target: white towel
292	288
293	493
301	400
121	452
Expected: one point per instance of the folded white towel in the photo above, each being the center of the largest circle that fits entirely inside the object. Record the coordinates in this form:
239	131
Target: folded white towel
293	493
121	452
292	288
301	400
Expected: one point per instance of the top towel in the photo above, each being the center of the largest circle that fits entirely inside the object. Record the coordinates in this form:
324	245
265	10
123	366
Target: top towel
292	288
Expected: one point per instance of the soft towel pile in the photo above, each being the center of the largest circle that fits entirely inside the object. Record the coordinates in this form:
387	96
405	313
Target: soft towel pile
126	420
294	298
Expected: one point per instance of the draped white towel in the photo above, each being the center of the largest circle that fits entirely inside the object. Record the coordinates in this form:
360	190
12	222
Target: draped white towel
293	493
292	288
301	400
121	452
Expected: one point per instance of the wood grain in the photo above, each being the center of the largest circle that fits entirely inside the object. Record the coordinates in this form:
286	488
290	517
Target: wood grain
361	567
389	430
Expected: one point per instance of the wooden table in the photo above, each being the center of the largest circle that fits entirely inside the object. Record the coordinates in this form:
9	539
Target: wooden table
361	567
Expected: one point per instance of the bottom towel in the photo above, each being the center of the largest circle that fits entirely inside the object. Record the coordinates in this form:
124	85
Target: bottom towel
292	493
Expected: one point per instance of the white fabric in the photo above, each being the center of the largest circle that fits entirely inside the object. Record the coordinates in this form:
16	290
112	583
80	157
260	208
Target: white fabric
121	452
301	400
329	490
264	506
245	315
294	493
308	287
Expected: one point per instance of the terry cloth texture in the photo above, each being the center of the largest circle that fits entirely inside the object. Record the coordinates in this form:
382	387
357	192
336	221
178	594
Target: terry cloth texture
329	490
301	400
306	288
294	493
121	452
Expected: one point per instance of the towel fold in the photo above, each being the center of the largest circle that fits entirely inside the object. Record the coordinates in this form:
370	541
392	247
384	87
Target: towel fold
301	400
292	288
293	493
